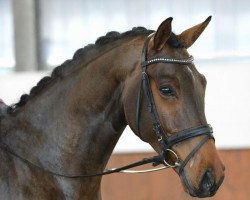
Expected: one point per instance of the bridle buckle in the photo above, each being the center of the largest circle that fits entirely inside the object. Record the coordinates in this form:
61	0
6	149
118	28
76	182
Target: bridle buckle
160	138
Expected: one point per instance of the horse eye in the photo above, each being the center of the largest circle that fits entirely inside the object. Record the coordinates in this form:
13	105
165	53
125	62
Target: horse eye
167	91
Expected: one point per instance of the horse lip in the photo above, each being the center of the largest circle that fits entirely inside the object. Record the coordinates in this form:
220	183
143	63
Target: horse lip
202	194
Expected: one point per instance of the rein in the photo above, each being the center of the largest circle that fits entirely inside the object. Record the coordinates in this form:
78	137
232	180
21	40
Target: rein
155	160
166	141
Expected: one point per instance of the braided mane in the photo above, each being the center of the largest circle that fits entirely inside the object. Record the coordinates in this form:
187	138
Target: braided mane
82	53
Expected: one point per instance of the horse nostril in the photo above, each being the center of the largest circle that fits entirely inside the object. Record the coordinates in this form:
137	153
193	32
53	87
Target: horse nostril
208	181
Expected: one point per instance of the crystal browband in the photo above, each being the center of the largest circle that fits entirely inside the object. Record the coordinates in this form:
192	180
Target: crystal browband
169	60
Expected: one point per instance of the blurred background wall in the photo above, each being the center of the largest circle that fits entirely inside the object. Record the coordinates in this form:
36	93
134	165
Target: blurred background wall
37	35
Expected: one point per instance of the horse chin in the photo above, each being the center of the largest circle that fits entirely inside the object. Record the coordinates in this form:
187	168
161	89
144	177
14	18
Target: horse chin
200	194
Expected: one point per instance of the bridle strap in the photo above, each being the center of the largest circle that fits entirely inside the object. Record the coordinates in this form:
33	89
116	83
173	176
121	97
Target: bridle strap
138	108
168	60
192	153
139	97
145	85
187	134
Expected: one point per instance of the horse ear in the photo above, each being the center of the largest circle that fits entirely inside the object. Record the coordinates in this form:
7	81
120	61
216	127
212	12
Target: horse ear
162	34
189	36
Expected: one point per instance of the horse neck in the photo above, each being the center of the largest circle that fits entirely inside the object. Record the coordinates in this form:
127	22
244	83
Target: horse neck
75	123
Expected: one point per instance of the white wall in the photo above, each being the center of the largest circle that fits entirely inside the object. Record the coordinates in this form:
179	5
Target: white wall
227	103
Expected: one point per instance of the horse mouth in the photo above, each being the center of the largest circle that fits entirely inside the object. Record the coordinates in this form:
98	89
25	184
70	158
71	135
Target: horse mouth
200	193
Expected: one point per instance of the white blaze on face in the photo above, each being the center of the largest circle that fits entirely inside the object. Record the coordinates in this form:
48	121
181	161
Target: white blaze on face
191	163
196	91
190	73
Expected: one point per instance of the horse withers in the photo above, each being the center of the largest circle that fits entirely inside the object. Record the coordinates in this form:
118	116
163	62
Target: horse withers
70	121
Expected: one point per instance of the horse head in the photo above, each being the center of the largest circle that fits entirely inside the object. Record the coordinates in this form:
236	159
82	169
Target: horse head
164	106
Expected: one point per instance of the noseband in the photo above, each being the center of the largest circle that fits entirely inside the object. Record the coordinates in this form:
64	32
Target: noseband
167	140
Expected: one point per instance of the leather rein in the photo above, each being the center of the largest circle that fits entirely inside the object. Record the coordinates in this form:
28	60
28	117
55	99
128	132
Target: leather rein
166	141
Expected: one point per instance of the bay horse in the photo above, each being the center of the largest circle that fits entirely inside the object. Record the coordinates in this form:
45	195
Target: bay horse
70	121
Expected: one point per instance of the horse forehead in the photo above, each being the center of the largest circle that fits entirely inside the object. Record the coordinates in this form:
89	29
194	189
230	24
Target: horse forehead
176	70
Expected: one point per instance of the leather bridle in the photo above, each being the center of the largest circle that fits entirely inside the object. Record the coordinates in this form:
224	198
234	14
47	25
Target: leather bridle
167	140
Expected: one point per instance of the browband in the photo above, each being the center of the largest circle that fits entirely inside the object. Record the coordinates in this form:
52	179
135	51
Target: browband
168	60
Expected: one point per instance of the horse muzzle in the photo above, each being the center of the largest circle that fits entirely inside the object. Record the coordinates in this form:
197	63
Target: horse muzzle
207	187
